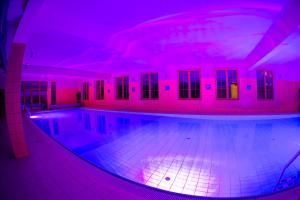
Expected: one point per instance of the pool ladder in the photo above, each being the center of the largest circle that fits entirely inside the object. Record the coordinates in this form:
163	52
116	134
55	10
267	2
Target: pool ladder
285	168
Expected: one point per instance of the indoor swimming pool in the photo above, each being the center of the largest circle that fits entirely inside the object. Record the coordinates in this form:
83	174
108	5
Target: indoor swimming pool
201	155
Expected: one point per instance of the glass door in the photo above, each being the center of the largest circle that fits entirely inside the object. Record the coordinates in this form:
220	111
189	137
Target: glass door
34	95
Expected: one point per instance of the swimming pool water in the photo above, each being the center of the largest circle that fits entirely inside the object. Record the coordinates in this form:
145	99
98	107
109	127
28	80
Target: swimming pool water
214	156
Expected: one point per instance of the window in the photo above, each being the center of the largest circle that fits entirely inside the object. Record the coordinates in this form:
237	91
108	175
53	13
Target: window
265	88
150	86
53	93
195	84
85	91
34	95
221	84
122	87
227	85
99	90
189	84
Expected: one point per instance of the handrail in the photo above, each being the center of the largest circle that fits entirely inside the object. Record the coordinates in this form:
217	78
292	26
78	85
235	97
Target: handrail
285	167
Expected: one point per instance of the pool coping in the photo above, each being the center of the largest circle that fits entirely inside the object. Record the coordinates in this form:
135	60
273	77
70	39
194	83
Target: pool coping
194	116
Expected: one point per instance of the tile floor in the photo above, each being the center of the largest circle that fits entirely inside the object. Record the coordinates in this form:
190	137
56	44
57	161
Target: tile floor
202	157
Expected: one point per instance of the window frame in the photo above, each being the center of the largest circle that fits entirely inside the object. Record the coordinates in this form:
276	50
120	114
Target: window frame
101	93
227	91
122	88
35	93
265	86
53	92
189	84
85	91
150	86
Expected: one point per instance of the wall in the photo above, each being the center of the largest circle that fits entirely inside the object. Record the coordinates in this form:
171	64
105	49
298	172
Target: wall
285	100
66	89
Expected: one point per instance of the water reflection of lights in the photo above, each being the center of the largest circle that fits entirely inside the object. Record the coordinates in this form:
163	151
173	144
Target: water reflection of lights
180	175
34	116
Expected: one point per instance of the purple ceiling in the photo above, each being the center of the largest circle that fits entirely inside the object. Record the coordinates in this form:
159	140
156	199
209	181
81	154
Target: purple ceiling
116	35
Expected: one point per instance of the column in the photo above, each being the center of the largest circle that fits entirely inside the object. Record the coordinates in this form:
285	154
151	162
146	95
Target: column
13	100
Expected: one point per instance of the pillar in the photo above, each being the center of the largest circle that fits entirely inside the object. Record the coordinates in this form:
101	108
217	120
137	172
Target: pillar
13	100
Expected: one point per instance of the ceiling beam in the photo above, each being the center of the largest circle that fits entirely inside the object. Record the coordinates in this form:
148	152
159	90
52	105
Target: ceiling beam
287	22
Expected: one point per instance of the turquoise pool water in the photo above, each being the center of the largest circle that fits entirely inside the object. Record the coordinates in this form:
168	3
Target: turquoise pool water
214	156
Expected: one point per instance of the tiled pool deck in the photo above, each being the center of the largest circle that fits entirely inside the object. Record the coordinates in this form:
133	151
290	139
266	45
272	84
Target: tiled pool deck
52	172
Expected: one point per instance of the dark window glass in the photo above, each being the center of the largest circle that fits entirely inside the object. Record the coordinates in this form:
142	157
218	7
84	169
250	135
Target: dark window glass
183	84
34	95
145	86
260	85
265	88
150	86
102	89
189	84
53	93
97	94
221	84
119	84
154	86
195	84
126	87
269	85
99	89
122	86
85	91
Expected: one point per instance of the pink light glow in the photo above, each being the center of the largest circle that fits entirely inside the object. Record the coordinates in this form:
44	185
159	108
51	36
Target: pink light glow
34	116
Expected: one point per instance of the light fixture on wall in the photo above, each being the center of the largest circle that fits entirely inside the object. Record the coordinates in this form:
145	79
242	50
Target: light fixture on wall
208	86
248	87
167	88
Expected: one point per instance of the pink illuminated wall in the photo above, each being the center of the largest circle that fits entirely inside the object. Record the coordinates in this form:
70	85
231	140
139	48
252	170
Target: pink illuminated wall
285	100
66	92
104	40
66	88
